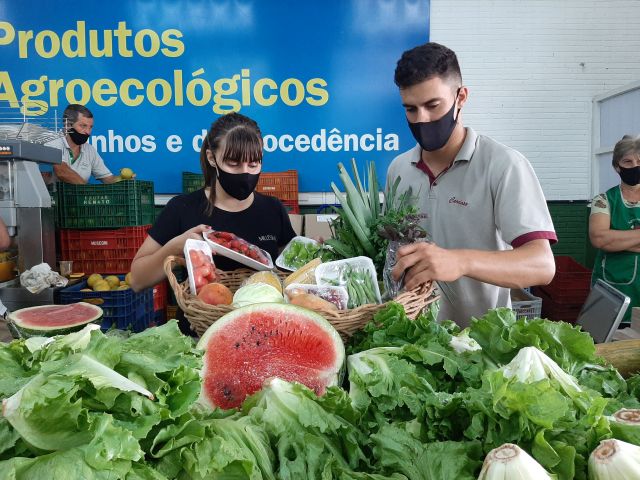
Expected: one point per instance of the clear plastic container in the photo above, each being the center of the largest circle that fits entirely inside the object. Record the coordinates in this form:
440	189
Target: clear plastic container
336	295
239	257
199	258
357	275
280	261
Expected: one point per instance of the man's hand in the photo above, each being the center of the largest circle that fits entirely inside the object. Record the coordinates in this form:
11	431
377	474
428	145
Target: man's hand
426	261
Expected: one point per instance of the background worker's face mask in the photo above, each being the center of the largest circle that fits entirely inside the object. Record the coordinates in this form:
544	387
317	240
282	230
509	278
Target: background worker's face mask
238	185
630	176
77	137
435	135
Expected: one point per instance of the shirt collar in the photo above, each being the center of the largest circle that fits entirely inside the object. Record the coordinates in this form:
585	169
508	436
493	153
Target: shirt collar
66	144
468	146
464	154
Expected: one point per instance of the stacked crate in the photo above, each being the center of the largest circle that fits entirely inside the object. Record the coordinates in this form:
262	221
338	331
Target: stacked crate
101	227
564	297
282	185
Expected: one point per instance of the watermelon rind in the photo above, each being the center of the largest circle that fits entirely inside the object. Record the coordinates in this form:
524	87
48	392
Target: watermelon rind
30	330
334	376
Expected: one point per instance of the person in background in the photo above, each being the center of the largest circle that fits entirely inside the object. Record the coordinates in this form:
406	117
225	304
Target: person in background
231	161
80	159
484	206
5	239
614	225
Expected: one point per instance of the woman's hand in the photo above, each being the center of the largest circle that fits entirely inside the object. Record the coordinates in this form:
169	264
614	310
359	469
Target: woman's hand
177	243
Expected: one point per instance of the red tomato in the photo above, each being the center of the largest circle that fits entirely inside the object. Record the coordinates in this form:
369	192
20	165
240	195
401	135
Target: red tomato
212	277
199	280
196	258
205	270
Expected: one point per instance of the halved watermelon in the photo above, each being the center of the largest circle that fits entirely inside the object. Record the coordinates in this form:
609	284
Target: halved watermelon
50	320
253	343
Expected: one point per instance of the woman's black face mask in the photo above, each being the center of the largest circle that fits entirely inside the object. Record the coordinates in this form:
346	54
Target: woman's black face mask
630	176
238	185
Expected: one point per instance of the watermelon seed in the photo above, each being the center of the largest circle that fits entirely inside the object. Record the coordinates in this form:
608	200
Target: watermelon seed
237	344
226	392
258	343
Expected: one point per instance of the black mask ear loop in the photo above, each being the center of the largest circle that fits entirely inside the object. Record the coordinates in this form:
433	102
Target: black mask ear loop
454	102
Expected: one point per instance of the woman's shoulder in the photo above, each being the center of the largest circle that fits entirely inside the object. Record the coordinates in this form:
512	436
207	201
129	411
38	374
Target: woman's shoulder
187	199
266	201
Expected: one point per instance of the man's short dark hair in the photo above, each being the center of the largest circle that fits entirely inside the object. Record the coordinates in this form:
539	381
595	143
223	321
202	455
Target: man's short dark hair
73	111
426	61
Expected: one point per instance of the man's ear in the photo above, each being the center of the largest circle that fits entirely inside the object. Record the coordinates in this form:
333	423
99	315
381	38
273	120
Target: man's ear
463	95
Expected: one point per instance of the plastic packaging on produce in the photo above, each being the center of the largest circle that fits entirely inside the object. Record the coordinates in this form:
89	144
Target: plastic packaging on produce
200	266
335	295
357	275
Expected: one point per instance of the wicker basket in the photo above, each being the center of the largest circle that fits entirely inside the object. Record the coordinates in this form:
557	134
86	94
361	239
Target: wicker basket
201	315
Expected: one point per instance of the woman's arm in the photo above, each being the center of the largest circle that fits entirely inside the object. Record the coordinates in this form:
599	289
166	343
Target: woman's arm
147	268
604	238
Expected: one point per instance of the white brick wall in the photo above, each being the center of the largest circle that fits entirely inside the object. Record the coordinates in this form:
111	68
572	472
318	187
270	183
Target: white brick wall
533	68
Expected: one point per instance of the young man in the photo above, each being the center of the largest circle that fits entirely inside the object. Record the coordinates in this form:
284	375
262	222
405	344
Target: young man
483	203
80	159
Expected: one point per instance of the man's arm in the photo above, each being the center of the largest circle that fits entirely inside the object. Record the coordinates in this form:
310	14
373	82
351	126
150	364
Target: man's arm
604	238
526	265
67	174
110	179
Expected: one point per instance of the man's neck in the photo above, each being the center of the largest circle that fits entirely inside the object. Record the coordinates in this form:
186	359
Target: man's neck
75	149
440	160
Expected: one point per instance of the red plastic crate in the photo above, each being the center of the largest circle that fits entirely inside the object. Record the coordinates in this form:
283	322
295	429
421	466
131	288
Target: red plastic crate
282	185
160	296
102	251
559	311
571	283
569	275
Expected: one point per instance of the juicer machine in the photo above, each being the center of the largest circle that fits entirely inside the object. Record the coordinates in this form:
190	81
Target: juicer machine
25	202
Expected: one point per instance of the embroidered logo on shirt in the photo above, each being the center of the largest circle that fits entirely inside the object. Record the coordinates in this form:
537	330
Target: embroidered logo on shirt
267	238
458	202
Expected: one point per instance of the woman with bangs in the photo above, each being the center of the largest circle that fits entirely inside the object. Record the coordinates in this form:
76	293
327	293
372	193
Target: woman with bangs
231	161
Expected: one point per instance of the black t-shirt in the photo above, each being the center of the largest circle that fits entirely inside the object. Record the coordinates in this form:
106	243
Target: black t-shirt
265	223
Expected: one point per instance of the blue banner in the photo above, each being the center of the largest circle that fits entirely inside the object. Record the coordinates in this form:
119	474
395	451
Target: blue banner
316	76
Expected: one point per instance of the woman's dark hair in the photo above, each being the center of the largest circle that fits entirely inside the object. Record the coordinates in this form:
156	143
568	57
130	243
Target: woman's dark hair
426	61
242	141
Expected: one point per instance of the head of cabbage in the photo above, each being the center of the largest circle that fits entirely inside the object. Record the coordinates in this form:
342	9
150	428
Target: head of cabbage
256	293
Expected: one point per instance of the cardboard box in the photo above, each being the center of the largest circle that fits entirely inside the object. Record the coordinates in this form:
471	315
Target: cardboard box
317	225
297	222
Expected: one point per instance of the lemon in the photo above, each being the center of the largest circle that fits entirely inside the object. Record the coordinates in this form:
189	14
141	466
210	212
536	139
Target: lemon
113	281
127	278
123	287
93	279
126	173
101	286
305	274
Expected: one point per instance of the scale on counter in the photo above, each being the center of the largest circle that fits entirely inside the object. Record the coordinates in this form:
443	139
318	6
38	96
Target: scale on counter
25	202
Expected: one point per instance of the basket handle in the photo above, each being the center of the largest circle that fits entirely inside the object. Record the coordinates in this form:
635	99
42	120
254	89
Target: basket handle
170	262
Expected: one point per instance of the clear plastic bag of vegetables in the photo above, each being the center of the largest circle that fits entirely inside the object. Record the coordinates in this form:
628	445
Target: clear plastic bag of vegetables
405	233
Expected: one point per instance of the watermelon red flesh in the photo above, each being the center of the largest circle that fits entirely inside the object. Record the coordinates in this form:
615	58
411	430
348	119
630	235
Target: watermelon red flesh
54	316
266	341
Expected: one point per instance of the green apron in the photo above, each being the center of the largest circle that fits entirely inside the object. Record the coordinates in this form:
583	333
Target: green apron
620	269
